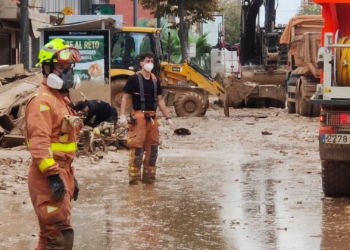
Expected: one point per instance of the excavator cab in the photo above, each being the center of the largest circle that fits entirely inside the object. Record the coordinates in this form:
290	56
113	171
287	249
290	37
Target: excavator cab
271	50
127	46
262	58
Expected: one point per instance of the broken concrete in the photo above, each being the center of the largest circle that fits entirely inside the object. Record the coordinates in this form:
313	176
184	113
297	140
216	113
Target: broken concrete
13	99
11	73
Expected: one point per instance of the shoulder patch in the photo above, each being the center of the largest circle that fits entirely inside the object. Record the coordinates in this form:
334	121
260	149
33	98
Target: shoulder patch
47	94
44	108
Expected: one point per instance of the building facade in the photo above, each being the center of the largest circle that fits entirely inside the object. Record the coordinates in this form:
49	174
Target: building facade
126	8
45	11
10	29
304	2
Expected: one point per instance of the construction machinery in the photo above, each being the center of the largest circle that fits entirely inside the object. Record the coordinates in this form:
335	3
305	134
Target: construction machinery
333	94
186	86
262	58
302	35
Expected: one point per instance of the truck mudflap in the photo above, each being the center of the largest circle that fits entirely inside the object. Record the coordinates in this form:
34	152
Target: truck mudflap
238	91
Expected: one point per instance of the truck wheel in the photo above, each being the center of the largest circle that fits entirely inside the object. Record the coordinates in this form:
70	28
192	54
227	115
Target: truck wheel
304	108
189	104
316	110
291	107
281	104
335	178
117	93
270	102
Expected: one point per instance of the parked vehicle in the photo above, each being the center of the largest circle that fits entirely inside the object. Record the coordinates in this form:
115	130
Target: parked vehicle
303	38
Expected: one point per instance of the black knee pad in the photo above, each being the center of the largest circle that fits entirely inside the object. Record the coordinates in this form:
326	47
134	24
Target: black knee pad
67	231
68	235
138	157
153	155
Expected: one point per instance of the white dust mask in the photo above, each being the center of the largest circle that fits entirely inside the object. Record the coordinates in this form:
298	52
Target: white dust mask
148	67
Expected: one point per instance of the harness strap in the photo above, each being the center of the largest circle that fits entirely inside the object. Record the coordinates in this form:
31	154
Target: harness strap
155	93
142	91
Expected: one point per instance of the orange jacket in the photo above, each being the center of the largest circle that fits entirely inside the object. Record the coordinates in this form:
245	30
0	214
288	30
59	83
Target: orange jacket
44	115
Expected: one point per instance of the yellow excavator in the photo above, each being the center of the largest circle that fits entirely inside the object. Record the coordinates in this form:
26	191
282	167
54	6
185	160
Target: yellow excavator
186	86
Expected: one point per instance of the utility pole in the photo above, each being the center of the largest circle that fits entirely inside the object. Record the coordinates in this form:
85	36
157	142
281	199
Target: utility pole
158	18
24	34
136	5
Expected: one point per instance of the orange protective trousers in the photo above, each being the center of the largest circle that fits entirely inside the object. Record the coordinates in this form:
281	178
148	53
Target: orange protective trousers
143	141
53	216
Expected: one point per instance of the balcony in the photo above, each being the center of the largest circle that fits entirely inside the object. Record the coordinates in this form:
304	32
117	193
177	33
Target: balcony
10	11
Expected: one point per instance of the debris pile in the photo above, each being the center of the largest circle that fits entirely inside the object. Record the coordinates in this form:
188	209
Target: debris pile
105	136
17	87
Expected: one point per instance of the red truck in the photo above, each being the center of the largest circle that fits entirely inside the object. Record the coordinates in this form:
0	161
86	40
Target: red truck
333	95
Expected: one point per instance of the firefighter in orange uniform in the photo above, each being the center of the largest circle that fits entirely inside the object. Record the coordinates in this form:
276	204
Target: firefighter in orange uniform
143	135
51	130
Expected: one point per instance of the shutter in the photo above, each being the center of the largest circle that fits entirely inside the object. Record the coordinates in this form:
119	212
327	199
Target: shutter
5	48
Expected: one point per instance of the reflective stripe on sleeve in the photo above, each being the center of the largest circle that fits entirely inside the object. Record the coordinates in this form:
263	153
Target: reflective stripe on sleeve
46	163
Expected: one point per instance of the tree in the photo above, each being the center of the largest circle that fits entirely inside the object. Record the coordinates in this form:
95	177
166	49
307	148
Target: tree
232	15
309	9
188	11
202	51
202	47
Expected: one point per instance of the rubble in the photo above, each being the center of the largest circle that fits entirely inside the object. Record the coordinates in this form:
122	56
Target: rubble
11	73
106	136
17	87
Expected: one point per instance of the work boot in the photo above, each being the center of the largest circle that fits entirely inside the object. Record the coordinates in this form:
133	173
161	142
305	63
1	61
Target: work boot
68	238
149	175
134	175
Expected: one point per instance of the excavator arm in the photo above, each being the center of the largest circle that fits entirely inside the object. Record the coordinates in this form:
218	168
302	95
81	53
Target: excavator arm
189	74
249	40
230	91
262	58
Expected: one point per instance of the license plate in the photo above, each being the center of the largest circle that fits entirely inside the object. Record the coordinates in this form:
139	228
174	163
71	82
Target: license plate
336	138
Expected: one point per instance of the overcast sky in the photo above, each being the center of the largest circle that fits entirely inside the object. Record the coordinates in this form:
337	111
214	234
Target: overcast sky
286	10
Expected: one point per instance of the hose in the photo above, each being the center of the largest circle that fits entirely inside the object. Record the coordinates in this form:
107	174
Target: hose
343	63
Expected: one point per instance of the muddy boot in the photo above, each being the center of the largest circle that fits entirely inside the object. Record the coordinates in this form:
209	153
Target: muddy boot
134	175
68	238
149	174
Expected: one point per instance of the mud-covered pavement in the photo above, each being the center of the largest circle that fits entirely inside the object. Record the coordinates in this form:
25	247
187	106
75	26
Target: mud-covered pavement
225	186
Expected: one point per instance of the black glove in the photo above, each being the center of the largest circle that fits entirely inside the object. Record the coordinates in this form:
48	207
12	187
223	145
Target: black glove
76	189
58	189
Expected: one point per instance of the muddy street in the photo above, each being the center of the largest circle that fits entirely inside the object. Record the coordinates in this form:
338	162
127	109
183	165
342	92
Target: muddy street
250	181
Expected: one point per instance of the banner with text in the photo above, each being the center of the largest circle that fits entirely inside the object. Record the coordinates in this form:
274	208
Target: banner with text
91	48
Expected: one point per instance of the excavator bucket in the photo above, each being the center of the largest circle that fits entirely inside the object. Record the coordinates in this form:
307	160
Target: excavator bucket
238	91
262	76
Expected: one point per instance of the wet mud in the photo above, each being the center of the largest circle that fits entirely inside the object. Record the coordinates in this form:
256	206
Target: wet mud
226	186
